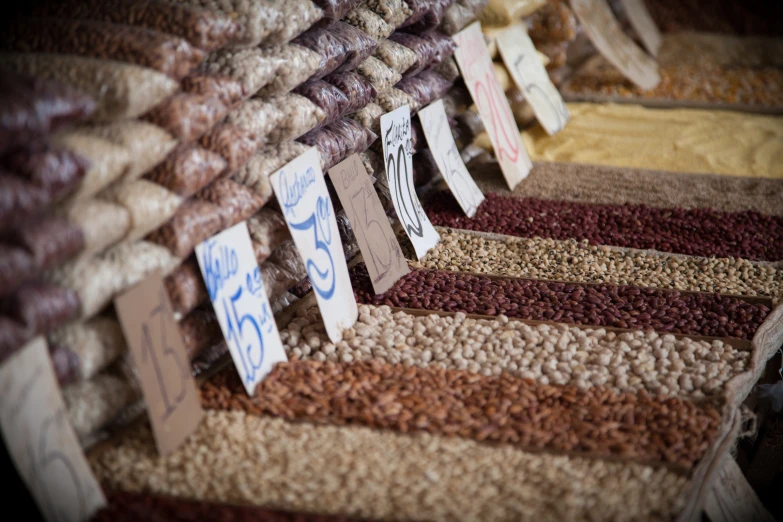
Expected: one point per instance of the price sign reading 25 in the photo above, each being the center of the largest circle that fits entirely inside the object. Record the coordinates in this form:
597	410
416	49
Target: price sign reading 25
233	280
396	136
301	191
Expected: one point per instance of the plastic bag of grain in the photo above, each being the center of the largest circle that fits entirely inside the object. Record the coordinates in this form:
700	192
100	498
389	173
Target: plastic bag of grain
396	56
448	69
95	344
234	201
256	172
258	116
341	47
40	306
199	330
20	199
185	287
234	144
442	44
418	9
456	18
357	88
393	12
457	100
92	404
364	19
102	223
381	76
120	90
394	99
51	240
194	221
338	140
58	171
32	108
329	98
336	9
147	144
223	88
149	204
300	115
432	18
252	68
369	116
187	116
298	17
297	64
268	230
425	87
162	52
188	169
205	29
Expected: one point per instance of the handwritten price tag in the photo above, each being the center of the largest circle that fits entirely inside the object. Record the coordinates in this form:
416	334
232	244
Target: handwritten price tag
643	24
529	74
476	66
379	246
606	34
40	440
163	368
301	191
441	142
732	499
237	292
398	154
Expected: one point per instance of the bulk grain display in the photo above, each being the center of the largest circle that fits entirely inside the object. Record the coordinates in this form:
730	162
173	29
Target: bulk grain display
581	348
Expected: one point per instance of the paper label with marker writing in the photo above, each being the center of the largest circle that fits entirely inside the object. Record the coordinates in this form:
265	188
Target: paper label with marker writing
161	363
443	148
643	24
605	32
731	498
236	289
398	157
522	61
380	249
479	74
41	441
301	191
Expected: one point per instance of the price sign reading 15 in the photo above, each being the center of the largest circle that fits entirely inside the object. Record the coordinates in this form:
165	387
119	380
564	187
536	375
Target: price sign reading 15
237	292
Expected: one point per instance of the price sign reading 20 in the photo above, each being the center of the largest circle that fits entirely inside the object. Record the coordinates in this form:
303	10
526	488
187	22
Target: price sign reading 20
233	280
301	191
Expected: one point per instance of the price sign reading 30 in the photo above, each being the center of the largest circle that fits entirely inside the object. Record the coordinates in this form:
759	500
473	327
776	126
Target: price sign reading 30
301	191
237	292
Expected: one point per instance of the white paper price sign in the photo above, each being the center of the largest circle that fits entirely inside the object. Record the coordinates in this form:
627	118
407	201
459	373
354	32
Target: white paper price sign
398	154
605	32
40	440
643	24
237	292
441	142
531	78
476	66
301	191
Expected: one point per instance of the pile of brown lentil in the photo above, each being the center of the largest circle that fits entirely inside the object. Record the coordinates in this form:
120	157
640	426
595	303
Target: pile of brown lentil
572	303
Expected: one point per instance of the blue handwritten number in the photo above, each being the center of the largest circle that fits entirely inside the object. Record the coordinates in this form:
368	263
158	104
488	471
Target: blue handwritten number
235	325
323	280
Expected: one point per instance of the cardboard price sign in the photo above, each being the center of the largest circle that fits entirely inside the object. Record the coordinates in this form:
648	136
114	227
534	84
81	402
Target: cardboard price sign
398	158
643	24
161	363
606	34
40	440
441	142
380	249
479	74
233	279
732	499
530	76
301	191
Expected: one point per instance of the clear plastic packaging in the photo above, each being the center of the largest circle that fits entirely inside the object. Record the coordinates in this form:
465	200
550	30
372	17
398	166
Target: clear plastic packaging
32	108
442	47
185	287
369	117
162	52
425	87
40	306
50	239
187	116
336	9
432	18
255	174
341	47
223	88
300	115
364	19
234	144
332	100
206	29
552	23
358	89
252	68
234	201
120	90
188	169
394	99
92	404
456	18
20	199
194	221
298	17
268	230
102	223
457	100
298	63
257	116
418	8
149	204
380	75
199	330
58	171
95	343
393	12
448	69
338	140
396	56
470	125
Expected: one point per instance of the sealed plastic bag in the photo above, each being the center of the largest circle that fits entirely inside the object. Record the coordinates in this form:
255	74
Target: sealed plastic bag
187	116
149	204
328	97
456	18
369	116
258	116
58	171
298	63
342	47
102	223
120	90
206	29
234	144
20	199
162	52
393	12
432	18
95	344
380	75
252	68
185	287
298	16
255	174
92	404
425	87
235	202
300	115
32	108
418	8
40	306
194	221
223	88
395	98
457	100
443	47
336	9
338	140
188	169
396	56
199	330
50	239
364	19
358	89
554	22
268	230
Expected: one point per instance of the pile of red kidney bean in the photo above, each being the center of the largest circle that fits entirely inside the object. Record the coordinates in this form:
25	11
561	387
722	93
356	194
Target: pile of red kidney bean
698	231
599	305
